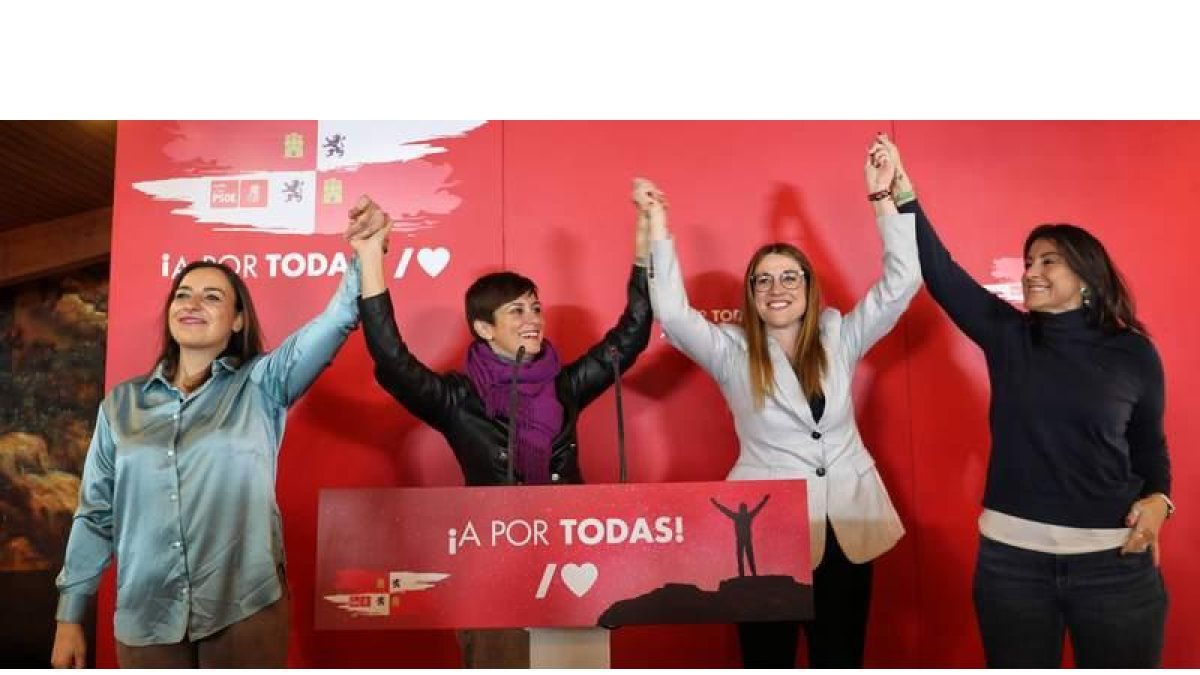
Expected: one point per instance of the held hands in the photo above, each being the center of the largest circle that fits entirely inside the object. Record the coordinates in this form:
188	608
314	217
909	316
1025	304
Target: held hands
651	204
368	228
70	646
902	187
879	167
652	207
650	201
1146	518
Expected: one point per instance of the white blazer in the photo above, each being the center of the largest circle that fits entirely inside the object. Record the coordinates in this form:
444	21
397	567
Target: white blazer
781	440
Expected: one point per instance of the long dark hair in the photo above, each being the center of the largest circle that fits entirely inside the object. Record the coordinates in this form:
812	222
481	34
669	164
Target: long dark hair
1108	303
809	362
243	345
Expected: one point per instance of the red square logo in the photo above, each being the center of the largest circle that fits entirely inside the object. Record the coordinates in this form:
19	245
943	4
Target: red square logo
223	194
254	193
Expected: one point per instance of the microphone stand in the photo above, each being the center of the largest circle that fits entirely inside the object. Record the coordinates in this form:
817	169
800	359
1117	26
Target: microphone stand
614	359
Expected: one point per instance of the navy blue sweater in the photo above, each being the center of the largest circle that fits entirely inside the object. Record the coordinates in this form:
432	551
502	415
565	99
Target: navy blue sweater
1076	414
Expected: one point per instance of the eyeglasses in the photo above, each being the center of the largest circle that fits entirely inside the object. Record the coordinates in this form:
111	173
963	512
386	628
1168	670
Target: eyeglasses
788	279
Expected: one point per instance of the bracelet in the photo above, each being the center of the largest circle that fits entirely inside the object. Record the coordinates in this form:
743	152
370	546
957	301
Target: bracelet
879	196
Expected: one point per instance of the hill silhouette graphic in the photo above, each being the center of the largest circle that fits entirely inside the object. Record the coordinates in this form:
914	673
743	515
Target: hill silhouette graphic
763	598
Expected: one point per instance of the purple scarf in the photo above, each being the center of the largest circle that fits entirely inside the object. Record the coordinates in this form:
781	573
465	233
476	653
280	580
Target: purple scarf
539	414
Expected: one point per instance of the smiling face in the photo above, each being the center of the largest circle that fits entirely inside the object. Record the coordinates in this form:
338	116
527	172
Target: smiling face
1049	283
203	312
780	290
515	324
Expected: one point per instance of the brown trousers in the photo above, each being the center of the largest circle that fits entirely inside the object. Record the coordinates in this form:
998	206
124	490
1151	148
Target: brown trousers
258	641
494	648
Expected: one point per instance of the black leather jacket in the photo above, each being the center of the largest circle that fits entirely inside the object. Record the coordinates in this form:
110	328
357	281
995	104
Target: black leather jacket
448	402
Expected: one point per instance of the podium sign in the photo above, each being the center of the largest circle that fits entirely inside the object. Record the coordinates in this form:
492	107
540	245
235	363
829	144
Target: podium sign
574	555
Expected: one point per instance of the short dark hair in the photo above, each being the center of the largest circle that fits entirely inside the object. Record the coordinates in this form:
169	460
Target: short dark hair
1109	303
243	345
490	291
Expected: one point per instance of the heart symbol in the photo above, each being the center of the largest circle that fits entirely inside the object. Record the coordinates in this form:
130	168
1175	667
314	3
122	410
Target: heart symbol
579	578
433	260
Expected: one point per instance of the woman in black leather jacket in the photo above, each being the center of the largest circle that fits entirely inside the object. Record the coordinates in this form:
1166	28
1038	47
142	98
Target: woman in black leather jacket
471	408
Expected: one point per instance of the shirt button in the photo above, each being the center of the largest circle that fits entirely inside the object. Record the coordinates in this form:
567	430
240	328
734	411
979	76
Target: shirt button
816	435
820	471
174	496
554	477
170	453
503	455
175	416
175	544
183	591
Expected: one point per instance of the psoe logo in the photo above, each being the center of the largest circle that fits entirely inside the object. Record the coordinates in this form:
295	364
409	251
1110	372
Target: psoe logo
234	194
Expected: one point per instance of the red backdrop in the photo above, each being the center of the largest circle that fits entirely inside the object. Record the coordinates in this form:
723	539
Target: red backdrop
550	199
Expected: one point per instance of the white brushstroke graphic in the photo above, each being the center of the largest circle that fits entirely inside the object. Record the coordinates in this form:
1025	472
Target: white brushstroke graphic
405	582
380	604
277	214
350	144
365	604
287	202
1009	272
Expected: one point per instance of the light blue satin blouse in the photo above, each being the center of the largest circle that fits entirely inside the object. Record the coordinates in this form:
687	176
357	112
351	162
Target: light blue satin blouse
182	489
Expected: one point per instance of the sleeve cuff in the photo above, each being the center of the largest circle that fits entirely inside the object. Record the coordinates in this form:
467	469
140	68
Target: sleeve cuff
72	607
662	246
376	304
1170	504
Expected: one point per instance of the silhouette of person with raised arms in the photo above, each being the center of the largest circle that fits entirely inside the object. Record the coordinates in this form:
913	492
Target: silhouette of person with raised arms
742	518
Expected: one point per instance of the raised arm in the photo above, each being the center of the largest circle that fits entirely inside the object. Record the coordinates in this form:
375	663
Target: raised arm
761	503
879	310
89	547
592	373
721	507
975	310
287	371
423	392
686	328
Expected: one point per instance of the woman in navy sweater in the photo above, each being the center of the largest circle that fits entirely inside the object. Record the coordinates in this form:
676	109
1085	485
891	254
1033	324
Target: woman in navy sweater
1079	477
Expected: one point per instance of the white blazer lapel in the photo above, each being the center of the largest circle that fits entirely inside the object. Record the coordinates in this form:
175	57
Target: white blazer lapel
787	387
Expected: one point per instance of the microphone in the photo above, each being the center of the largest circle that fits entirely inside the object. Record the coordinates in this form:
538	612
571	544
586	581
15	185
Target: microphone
512	416
614	359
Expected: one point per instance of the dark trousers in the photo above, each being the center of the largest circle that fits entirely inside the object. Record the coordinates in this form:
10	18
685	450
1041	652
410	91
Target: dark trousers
836	636
494	648
1113	606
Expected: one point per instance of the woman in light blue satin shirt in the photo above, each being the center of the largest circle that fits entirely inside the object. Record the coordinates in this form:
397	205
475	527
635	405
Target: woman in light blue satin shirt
179	484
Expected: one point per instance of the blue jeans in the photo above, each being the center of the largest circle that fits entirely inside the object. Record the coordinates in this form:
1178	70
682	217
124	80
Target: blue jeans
1113	606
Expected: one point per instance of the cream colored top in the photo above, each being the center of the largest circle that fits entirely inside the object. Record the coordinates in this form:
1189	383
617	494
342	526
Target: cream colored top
1046	538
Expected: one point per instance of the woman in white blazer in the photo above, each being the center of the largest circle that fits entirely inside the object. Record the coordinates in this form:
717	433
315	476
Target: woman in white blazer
786	373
